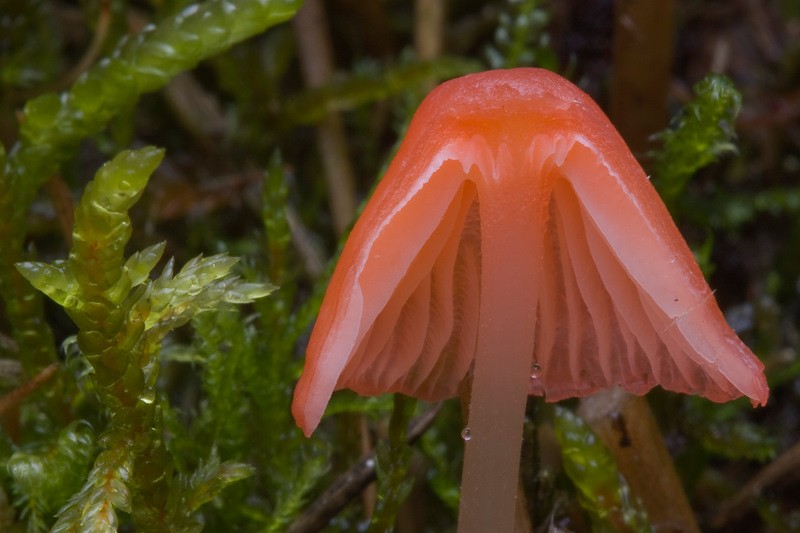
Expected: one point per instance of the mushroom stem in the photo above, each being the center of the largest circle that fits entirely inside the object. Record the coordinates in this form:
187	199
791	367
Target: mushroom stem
501	371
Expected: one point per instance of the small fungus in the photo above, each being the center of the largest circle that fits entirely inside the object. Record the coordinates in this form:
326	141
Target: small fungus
515	239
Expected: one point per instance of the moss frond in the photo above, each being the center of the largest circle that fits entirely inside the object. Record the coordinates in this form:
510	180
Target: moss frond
603	493
701	133
123	317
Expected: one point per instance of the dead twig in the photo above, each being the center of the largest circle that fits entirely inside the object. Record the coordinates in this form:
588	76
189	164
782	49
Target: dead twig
429	19
782	469
93	52
16	396
316	59
627	427
352	482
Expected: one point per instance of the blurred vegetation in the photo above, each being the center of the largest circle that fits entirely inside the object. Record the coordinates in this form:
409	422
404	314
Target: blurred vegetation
115	418
601	490
701	133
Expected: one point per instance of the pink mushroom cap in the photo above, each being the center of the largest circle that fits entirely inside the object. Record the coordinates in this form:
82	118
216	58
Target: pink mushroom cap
615	295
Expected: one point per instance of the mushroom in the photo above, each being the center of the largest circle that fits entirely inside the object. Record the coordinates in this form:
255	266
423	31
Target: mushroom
514	239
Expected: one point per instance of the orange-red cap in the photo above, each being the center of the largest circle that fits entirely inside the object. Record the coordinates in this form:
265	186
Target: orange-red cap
612	293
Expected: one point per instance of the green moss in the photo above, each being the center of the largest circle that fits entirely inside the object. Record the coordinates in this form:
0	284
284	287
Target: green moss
123	316
602	492
698	136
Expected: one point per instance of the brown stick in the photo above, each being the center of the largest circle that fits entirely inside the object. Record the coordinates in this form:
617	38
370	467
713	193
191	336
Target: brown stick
429	28
626	426
782	469
196	109
316	59
101	32
15	397
429	19
642	63
351	483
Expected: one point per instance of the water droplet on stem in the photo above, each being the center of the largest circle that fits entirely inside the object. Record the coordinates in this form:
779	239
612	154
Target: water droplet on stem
466	433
